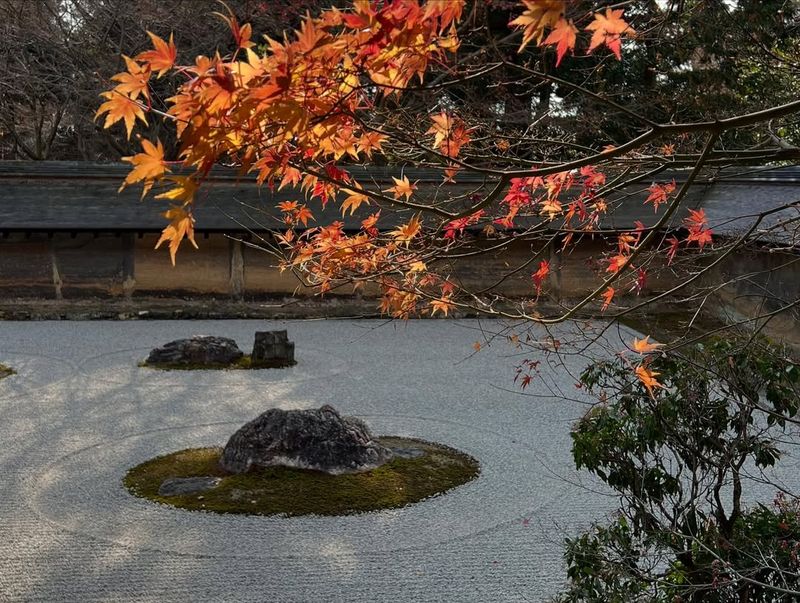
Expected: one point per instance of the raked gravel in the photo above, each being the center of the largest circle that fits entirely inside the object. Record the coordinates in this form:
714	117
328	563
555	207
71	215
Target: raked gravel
80	412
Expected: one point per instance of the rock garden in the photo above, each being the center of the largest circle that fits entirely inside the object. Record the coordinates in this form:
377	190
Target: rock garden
291	462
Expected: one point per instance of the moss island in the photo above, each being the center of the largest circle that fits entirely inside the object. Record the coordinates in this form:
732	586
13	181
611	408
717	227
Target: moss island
406	479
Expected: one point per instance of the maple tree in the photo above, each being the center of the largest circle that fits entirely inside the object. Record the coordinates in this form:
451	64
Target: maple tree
300	112
388	83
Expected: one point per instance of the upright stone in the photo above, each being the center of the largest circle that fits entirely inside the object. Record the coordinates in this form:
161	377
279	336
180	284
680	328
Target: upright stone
272	348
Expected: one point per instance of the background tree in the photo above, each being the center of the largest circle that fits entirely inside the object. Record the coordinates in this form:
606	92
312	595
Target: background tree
56	56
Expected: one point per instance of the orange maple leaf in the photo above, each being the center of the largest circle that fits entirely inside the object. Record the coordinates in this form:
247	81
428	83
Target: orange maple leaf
369	142
539	14
303	214
563	36
608	30
446	11
607	296
541	274
405	233
241	35
134	81
701	237
290	176
147	166
163	57
659	193
443	305
648	378
181	226
696	223
369	223
643	346
403	187
119	107
616	263
697	218
353	201
183	191
287	206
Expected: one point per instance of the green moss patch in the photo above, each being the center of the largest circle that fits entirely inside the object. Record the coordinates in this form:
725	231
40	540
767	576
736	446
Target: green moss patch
245	362
291	492
6	371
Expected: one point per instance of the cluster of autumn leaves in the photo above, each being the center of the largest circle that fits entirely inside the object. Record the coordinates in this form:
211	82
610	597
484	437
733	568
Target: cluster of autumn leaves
540	16
295	111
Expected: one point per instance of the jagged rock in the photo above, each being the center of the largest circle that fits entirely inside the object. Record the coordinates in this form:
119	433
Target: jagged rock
176	486
200	350
272	348
319	439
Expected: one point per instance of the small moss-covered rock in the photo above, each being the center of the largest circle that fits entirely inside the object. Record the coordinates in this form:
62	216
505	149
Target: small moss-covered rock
288	491
6	371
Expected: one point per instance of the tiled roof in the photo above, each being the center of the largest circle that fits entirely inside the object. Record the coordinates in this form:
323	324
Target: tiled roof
78	196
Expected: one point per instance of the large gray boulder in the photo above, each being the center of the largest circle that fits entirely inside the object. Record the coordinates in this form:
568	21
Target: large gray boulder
199	350
319	439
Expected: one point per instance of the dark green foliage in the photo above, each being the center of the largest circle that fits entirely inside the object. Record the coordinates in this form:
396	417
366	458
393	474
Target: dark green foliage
6	371
680	461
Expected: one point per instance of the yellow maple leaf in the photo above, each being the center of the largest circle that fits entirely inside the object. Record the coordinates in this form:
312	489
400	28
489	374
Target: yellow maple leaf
134	81
353	201
148	166
442	124
648	378
405	233
539	15
181	226
403	187
441	305
120	107
183	191
551	207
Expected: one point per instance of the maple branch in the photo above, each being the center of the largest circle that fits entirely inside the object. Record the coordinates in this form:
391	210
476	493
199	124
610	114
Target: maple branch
759	218
578	88
645	240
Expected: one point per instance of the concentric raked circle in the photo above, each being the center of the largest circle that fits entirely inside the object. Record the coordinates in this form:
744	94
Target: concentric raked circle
122	368
32	372
83	493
